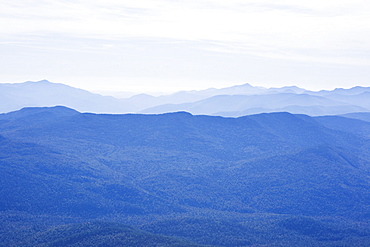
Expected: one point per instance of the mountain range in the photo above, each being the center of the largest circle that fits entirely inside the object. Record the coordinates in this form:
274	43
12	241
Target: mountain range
177	179
233	101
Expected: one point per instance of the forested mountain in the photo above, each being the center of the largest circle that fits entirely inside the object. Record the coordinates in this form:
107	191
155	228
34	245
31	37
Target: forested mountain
365	116
178	179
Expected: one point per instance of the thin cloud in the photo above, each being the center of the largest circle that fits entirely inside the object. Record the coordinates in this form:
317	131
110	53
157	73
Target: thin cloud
335	32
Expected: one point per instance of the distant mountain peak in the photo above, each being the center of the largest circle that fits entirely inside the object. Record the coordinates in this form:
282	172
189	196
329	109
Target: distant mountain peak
43	81
245	85
56	109
28	111
179	113
39	82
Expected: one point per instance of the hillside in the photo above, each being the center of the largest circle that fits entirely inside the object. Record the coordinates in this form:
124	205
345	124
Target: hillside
365	116
101	234
44	93
269	179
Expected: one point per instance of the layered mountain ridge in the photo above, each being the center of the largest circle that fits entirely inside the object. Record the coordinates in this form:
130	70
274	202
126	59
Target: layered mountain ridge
232	101
237	166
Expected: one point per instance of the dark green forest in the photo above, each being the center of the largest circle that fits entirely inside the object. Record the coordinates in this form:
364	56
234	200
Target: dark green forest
175	179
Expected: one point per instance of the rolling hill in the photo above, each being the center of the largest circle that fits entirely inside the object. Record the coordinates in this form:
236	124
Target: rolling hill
275	179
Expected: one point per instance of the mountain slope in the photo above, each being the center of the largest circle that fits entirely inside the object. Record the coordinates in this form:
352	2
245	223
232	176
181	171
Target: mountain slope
352	125
342	91
173	145
239	105
101	234
365	116
268	179
44	93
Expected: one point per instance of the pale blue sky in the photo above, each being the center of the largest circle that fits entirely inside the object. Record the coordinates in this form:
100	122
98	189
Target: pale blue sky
163	45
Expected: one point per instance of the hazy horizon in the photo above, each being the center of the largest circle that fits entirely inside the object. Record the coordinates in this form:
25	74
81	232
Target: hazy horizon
161	45
129	93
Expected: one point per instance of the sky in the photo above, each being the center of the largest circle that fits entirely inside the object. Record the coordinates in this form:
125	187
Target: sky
172	45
